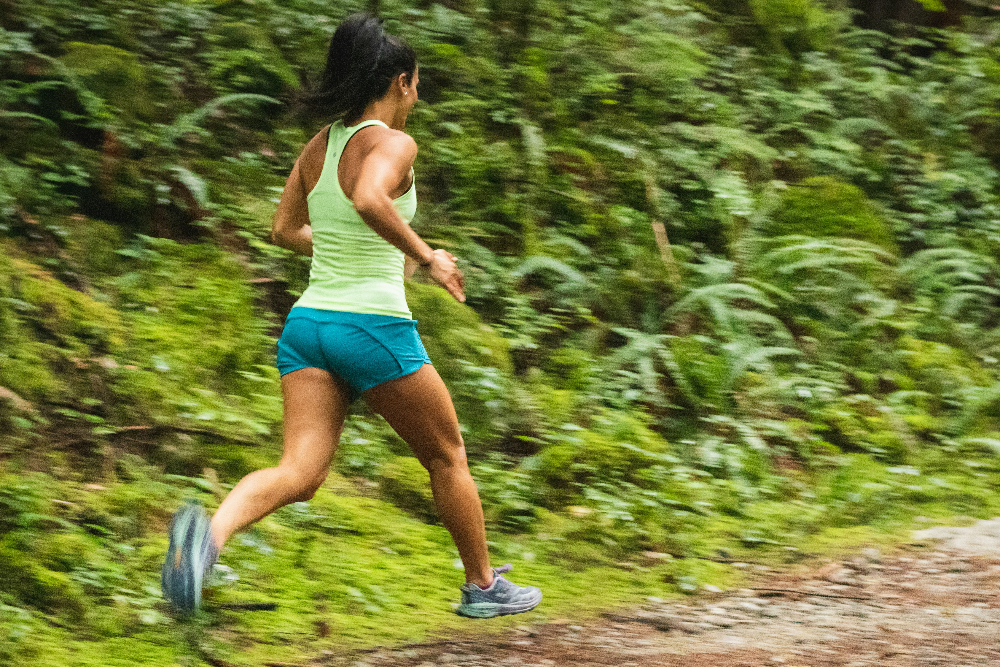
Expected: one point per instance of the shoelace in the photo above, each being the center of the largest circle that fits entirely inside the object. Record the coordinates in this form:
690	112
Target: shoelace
503	568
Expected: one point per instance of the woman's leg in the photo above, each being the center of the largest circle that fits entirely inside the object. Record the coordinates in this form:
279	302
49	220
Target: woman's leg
419	408
315	406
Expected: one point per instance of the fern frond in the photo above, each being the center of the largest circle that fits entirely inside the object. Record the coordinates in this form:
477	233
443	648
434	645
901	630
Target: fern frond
855	127
47	122
768	288
724	293
538	263
191	122
774	325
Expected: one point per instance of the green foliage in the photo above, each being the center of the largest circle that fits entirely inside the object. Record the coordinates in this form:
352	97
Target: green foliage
859	492
822	206
614	449
472	359
796	26
857	422
244	59
115	75
507	493
630	493
835	282
37	585
405	482
175	295
730	270
191	122
943	372
63	557
63	314
454	332
954	288
44	327
93	246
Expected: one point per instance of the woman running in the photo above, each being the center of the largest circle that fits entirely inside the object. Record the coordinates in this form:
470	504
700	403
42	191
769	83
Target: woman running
348	203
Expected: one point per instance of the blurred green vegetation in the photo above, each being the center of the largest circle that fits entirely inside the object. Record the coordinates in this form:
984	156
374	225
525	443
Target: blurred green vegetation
731	285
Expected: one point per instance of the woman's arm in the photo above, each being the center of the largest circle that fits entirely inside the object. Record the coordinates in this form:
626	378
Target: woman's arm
384	168
290	228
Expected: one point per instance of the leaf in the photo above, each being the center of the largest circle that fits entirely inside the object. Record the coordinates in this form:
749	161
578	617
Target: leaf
538	263
34	519
746	353
190	122
30	116
717	300
195	184
732	190
855	127
992	444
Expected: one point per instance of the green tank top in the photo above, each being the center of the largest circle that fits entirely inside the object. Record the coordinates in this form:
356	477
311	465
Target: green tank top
353	268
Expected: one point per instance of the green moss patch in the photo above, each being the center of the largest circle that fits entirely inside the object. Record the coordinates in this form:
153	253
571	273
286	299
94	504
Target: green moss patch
823	206
113	74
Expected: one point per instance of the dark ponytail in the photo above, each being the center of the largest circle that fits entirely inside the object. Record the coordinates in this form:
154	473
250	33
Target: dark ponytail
362	63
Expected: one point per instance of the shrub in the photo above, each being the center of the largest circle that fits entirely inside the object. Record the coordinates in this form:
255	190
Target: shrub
796	26
822	206
244	59
115	75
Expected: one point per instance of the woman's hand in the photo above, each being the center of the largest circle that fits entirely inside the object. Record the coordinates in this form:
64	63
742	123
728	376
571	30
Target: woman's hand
446	274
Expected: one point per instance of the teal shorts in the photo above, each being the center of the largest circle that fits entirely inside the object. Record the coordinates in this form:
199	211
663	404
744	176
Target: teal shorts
362	349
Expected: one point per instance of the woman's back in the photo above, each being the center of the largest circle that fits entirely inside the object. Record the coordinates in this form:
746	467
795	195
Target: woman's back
353	268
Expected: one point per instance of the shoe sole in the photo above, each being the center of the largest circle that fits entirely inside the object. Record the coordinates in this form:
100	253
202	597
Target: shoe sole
493	609
179	580
171	563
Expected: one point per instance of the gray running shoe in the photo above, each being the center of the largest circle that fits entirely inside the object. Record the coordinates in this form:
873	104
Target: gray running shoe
500	599
190	556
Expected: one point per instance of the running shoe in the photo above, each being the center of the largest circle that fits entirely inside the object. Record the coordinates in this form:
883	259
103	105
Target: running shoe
500	599
190	556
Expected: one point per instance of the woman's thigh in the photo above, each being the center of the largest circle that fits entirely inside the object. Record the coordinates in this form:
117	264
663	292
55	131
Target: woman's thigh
315	406
419	408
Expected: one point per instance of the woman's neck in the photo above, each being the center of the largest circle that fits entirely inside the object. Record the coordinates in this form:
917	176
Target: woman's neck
385	110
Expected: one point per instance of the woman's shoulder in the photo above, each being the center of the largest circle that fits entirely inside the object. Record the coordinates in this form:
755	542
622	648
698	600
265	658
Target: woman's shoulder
395	141
313	156
319	142
382	143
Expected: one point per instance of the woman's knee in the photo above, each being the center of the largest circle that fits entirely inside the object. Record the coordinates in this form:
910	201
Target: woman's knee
304	483
307	492
446	457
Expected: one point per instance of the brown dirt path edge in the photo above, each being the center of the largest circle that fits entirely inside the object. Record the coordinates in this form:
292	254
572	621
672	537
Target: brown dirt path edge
930	606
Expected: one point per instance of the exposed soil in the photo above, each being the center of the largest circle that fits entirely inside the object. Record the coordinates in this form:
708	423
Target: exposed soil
935	603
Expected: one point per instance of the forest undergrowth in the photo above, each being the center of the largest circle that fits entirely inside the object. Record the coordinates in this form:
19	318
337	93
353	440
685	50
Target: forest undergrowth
732	294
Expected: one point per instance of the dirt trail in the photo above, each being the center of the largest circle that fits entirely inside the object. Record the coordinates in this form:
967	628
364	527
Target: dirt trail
936	604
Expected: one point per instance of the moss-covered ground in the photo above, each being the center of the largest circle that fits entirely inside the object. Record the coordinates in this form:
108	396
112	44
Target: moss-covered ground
350	571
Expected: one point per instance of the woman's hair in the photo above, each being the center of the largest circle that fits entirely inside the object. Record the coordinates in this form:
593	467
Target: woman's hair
362	63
